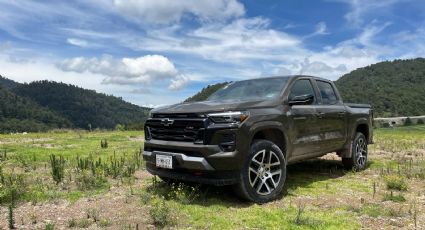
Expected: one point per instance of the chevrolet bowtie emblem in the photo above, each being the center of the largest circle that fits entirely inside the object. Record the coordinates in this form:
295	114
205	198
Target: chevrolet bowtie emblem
167	122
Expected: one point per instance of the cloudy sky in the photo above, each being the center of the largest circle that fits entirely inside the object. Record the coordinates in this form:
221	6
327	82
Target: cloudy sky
155	52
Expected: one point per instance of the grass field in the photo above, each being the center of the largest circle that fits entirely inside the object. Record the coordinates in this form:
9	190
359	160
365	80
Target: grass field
106	187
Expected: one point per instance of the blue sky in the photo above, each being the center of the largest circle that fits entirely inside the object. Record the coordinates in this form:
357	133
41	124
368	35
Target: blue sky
156	52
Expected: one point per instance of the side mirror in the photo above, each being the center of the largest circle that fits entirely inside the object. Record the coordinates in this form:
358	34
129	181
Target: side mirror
306	99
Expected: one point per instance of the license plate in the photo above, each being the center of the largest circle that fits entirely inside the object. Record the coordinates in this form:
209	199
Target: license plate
163	161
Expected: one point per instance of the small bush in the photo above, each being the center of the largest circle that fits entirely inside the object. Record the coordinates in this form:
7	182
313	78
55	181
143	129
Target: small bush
104	144
12	187
420	121
373	210
93	214
395	182
58	168
72	223
395	198
49	226
160	213
83	223
408	121
386	125
86	180
104	223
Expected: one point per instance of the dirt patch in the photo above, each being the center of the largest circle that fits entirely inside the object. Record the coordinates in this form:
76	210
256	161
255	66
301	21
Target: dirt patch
137	139
23	140
116	209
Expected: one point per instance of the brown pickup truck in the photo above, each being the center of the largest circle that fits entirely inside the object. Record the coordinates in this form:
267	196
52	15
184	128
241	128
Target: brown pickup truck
246	133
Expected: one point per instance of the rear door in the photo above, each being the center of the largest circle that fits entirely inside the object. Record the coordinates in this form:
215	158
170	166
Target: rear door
332	117
304	131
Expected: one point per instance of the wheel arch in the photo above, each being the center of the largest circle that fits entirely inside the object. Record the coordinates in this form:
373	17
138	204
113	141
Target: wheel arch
273	132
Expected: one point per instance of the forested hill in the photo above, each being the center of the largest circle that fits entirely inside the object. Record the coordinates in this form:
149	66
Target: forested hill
81	106
19	114
7	83
394	88
43	105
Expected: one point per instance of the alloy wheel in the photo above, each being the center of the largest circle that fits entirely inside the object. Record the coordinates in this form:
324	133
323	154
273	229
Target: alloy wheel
264	172
361	152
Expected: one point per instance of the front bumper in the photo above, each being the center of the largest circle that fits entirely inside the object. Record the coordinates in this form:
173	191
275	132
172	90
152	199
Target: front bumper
206	164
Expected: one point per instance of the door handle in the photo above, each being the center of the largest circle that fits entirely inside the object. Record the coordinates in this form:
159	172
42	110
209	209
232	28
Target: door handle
341	114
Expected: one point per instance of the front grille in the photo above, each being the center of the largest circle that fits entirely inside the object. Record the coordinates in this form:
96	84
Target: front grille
178	115
188	130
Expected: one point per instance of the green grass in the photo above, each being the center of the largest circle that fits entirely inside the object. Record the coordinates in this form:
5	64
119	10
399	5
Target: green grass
29	155
333	198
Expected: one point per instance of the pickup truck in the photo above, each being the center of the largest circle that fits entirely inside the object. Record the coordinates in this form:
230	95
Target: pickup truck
247	132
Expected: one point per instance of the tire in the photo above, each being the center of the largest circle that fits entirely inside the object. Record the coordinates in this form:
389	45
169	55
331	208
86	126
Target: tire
359	153
263	173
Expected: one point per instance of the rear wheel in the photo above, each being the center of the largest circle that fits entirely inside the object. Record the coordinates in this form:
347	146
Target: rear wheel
263	174
358	159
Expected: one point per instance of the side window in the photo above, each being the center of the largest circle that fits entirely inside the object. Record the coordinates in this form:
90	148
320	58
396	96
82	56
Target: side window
302	87
327	92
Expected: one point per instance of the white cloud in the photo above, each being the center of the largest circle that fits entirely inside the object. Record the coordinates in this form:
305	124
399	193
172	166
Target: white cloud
320	29
361	8
242	39
77	42
124	71
179	82
164	11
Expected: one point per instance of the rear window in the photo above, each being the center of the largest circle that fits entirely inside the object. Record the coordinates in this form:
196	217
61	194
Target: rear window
327	93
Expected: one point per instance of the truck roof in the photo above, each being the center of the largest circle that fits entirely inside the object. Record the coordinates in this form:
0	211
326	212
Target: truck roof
289	77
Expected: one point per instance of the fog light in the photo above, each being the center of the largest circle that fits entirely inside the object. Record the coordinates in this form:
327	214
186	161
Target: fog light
227	143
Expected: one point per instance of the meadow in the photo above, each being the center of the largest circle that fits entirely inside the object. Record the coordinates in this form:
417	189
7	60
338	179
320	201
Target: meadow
96	180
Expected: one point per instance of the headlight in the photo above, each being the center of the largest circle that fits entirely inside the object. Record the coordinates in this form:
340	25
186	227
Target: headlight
229	117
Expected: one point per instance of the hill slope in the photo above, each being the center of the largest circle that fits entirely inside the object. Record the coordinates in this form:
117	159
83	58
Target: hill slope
19	114
81	106
395	88
7	83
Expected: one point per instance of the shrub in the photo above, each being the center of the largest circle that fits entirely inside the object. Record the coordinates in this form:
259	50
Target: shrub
93	213
49	226
119	127
104	223
395	182
104	144
58	168
395	198
408	121
86	180
386	125
160	213
12	187
420	121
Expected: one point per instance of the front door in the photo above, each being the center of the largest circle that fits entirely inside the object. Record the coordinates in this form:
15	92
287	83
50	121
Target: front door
304	121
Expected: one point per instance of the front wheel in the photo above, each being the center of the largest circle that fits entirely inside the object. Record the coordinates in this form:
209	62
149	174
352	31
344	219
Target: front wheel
263	174
358	159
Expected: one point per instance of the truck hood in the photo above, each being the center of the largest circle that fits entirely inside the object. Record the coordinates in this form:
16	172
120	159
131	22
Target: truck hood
213	106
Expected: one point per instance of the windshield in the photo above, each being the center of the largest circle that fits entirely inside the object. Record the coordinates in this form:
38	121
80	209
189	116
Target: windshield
257	89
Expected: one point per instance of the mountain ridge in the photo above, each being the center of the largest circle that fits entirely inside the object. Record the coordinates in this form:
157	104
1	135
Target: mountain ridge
68	105
393	88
